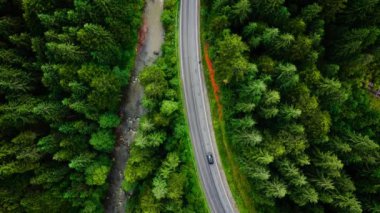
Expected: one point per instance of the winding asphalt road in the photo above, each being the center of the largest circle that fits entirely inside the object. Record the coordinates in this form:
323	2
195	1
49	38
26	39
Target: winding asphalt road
212	176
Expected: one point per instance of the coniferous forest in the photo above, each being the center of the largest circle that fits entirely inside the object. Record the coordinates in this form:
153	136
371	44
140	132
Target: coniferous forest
299	89
297	80
62	67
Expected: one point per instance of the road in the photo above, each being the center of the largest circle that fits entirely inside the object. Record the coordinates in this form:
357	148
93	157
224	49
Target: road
212	176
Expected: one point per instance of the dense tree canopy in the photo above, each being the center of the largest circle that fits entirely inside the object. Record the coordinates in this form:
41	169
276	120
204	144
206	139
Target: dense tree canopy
160	171
297	81
62	67
301	121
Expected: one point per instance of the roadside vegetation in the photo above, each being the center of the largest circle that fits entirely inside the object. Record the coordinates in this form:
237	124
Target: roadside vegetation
160	172
63	65
293	77
238	184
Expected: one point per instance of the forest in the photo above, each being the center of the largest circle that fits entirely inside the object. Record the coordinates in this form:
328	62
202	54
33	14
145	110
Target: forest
63	68
63	65
161	171
295	79
300	85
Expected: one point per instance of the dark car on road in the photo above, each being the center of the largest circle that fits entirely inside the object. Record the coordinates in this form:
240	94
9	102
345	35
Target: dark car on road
210	158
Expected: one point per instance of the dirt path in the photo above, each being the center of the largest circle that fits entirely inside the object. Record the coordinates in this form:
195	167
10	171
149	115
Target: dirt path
151	37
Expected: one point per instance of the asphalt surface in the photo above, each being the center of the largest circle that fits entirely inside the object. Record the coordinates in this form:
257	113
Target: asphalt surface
212	176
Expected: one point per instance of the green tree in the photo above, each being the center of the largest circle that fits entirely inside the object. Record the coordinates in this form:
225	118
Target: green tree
153	80
331	8
64	52
96	174
311	12
159	188
241	10
275	189
287	76
103	140
100	43
168	107
231	63
109	120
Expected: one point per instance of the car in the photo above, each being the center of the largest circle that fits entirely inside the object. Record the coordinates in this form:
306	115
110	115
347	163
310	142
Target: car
210	158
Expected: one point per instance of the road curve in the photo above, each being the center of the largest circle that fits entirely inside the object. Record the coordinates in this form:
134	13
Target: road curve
212	176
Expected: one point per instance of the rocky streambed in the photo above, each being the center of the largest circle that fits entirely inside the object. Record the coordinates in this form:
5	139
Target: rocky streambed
151	37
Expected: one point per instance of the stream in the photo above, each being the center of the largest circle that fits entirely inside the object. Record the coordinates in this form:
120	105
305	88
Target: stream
151	37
